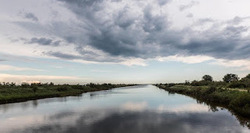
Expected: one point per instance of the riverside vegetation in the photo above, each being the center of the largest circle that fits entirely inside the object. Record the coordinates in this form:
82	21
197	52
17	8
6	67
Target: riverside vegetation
10	92
231	93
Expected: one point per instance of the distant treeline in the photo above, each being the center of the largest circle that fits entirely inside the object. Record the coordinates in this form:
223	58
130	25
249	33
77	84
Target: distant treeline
11	92
228	81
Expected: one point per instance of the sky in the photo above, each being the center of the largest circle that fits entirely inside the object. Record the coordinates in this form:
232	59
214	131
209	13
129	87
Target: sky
123	41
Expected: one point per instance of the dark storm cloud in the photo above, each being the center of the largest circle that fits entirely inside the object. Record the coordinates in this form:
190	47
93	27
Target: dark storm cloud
63	55
31	16
124	33
44	41
88	56
110	43
84	2
225	44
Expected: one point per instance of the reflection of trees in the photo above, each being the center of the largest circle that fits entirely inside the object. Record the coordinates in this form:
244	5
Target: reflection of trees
34	103
202	99
214	107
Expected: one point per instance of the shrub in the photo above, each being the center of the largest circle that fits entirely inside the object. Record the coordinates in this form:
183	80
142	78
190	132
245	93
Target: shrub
34	89
62	88
201	83
241	101
210	90
237	85
246	81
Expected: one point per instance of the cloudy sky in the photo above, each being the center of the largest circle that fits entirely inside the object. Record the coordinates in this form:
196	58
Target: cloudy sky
123	41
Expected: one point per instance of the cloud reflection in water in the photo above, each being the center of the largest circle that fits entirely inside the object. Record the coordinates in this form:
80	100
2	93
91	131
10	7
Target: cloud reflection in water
114	121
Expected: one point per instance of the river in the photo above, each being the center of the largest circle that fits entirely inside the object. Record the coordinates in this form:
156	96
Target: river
136	109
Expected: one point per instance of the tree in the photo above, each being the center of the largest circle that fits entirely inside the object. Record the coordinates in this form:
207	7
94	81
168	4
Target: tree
207	78
247	77
246	81
195	83
230	78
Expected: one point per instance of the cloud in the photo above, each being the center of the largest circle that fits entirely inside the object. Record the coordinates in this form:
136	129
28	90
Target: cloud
118	31
40	78
31	16
134	61
242	64
14	68
191	4
237	20
111	121
63	55
188	59
190	15
44	41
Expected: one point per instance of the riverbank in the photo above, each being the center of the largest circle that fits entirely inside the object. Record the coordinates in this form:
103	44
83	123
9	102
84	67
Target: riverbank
234	100
11	94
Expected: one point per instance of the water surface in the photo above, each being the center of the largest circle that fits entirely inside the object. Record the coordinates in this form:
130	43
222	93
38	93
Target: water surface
137	109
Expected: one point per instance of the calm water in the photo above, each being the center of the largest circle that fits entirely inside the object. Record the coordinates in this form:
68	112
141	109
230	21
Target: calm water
138	109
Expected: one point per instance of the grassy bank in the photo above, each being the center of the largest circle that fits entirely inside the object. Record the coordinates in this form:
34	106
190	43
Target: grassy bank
10	93
234	100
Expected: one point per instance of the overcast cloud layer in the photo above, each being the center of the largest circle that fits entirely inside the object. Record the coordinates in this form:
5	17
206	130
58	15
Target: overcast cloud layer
119	30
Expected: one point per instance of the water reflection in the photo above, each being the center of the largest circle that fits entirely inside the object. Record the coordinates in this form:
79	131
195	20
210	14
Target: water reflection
136	122
130	109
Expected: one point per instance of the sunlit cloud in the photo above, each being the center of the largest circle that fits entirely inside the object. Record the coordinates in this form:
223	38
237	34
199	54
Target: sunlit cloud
186	59
240	64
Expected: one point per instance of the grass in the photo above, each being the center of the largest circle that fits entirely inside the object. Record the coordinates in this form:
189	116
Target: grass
10	94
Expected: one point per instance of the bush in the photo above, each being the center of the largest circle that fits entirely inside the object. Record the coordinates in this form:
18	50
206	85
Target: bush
201	83
62	88
34	89
210	90
246	81
237	85
79	87
242	101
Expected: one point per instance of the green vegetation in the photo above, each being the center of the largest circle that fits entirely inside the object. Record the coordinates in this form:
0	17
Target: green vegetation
10	92
232	94
230	78
207	78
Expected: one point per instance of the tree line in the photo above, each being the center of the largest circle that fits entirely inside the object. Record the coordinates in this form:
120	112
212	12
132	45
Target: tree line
229	80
